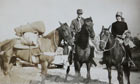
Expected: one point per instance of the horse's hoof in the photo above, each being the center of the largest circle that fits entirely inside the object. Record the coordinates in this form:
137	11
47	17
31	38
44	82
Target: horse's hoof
65	80
87	81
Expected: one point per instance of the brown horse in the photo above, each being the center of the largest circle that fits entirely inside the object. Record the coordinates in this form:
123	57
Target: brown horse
53	40
113	55
83	51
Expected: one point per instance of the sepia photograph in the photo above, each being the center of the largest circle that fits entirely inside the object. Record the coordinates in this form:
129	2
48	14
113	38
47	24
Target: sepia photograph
69	42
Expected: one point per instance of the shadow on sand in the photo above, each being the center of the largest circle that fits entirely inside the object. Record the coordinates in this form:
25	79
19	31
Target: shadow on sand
61	80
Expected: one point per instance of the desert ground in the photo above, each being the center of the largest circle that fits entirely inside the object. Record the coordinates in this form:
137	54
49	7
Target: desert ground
31	75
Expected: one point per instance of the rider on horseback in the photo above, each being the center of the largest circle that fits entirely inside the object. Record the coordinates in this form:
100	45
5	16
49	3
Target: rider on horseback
77	23
76	26
120	31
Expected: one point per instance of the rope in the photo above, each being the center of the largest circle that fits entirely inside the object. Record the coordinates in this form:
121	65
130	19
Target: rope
55	40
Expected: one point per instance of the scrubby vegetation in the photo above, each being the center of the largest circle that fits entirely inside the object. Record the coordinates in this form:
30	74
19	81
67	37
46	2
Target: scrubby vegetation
136	52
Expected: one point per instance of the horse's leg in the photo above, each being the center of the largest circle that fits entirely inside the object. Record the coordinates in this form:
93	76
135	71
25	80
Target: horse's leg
77	70
70	62
109	74
88	70
44	66
7	65
120	74
126	70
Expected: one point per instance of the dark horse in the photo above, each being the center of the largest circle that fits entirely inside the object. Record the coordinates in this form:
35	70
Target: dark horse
54	40
113	55
83	51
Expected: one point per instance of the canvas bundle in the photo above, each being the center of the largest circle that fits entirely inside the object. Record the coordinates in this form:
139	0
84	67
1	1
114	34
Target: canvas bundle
37	26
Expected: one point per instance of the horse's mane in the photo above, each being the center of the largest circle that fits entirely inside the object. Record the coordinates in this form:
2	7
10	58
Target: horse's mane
49	35
83	37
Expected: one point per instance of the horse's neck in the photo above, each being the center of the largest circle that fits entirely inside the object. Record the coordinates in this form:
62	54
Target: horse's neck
54	38
83	38
110	42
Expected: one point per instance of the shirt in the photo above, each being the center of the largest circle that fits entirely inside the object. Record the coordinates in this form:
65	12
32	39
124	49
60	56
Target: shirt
118	28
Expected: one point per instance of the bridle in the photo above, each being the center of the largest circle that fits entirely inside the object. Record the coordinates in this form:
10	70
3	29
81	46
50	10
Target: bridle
55	40
104	50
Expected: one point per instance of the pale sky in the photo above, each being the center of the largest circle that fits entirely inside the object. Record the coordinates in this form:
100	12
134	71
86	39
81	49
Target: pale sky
14	13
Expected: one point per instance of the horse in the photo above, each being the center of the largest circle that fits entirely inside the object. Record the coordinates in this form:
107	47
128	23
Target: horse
83	51
54	40
113	55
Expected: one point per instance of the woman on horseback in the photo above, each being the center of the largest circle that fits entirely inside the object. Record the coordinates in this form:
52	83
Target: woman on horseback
120	31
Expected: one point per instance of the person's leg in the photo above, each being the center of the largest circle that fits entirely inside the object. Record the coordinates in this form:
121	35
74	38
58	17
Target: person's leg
129	54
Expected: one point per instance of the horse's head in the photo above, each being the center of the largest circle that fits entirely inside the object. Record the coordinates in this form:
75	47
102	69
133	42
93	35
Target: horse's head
104	37
66	33
89	26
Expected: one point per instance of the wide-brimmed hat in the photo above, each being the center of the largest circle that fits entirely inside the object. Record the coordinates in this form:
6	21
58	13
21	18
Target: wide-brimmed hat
119	14
79	11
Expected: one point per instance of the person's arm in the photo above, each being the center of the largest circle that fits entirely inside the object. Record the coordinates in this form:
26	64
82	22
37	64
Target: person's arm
126	29
72	28
113	30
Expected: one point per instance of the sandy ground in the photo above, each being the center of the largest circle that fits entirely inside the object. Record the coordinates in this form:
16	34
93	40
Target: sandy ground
31	75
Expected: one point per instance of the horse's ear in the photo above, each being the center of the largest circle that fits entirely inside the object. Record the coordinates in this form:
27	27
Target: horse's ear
103	27
109	27
60	23
90	17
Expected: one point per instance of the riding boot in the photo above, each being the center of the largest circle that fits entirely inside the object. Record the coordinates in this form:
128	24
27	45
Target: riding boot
131	62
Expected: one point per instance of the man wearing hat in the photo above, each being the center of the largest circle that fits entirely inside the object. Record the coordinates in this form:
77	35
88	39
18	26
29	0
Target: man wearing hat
76	26
77	23
120	30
